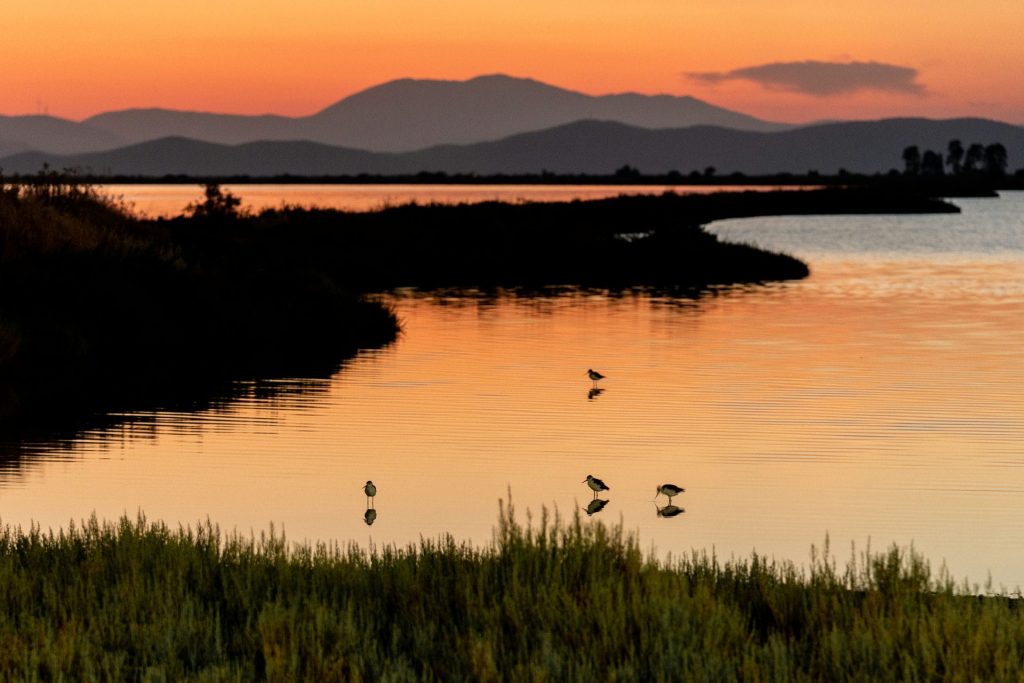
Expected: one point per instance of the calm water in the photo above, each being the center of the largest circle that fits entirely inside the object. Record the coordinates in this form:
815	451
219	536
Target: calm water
170	200
879	401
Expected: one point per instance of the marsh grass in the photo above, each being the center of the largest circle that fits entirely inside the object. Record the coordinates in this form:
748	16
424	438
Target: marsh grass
546	600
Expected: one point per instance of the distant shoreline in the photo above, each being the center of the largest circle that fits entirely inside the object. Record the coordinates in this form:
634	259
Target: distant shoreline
141	313
940	186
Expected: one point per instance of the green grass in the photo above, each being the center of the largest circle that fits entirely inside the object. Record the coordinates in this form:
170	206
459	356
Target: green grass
548	600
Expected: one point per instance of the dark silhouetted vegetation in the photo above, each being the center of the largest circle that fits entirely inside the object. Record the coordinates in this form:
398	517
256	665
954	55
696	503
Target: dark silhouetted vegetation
217	204
627	241
545	601
102	310
991	160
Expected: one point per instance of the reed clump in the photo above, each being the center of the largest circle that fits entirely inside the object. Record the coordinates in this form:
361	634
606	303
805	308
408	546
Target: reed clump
549	600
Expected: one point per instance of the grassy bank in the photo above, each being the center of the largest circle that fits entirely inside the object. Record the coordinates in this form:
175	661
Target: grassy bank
101	311
549	601
616	243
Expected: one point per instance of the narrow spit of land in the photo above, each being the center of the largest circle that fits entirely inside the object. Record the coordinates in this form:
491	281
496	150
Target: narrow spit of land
103	311
550	601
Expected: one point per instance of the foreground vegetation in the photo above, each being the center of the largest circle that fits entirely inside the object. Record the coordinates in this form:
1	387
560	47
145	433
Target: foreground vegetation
546	601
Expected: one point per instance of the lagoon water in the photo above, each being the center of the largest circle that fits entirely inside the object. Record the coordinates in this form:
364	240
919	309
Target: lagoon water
163	200
879	401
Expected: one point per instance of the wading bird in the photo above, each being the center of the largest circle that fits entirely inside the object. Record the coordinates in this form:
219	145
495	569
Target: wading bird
594	375
670	490
596	485
370	490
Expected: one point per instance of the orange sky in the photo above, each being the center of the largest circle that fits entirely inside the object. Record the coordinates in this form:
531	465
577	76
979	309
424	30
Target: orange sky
74	58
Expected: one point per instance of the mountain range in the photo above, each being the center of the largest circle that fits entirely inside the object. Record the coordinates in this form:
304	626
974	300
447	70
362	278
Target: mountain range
486	125
398	116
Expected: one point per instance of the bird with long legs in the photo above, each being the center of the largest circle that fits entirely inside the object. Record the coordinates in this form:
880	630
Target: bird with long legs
670	490
594	376
595	484
370	490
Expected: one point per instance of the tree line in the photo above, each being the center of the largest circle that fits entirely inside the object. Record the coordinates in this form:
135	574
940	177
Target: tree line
975	159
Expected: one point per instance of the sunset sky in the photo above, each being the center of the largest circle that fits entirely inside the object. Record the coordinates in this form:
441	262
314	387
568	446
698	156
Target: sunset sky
785	60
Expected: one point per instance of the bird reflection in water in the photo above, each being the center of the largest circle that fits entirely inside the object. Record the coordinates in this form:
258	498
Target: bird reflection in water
595	506
594	392
370	516
669	510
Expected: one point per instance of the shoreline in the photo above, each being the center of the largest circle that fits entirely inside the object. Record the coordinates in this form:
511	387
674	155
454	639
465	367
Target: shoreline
137	314
979	185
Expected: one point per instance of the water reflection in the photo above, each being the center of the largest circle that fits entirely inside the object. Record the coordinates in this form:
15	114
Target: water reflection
669	510
370	516
595	506
155	200
184	411
877	399
594	393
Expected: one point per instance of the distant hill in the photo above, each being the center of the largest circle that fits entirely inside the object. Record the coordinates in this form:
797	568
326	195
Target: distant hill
407	115
398	116
596	147
183	156
52	134
602	147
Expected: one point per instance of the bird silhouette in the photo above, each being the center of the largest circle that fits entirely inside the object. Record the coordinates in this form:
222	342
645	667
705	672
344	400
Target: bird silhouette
596	485
670	490
670	511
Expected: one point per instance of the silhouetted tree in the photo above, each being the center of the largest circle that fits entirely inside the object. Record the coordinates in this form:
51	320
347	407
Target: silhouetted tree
931	163
973	158
995	159
954	155
709	171
911	160
627	171
217	204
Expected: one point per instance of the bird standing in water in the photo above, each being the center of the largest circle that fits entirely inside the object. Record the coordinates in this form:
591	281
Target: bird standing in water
594	376
370	490
596	485
670	490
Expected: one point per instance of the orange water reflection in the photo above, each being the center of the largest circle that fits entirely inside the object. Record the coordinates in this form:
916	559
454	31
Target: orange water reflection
155	200
867	402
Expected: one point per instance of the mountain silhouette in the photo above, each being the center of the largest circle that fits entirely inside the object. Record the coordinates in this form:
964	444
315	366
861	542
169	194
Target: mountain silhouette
398	116
407	115
52	134
595	147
